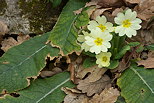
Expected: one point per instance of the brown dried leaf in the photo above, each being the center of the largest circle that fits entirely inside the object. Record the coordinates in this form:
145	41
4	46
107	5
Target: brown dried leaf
72	67
99	12
78	11
10	42
111	3
133	1
92	3
74	96
95	73
145	9
54	71
109	95
148	63
3	28
116	11
93	87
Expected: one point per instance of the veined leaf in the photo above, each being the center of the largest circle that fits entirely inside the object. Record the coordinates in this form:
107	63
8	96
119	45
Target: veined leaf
137	85
122	52
150	47
42	90
64	34
89	62
24	61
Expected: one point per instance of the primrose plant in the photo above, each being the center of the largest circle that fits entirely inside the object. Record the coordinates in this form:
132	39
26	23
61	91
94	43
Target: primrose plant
100	33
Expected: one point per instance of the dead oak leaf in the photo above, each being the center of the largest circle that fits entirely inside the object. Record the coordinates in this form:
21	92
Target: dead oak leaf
47	73
74	96
78	11
145	9
93	87
95	73
148	63
111	3
99	12
109	95
10	42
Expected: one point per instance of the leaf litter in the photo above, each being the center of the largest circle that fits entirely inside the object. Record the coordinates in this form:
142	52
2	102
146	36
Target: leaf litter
95	85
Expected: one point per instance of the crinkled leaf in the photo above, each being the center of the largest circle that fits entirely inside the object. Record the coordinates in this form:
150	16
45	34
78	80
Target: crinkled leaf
64	34
24	61
150	47
137	85
140	49
89	62
42	90
113	64
133	44
122	51
89	54
82	19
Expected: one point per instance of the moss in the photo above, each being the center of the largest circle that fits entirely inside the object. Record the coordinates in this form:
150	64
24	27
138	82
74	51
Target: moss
2	7
40	14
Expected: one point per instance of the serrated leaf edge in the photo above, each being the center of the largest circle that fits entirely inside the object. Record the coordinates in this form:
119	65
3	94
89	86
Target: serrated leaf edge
58	46
26	58
142	79
53	90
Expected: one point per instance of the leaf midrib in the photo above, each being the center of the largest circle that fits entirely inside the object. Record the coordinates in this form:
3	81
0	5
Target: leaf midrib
52	90
144	81
24	60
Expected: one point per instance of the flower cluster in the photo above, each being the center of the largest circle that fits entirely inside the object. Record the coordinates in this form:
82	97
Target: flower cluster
97	40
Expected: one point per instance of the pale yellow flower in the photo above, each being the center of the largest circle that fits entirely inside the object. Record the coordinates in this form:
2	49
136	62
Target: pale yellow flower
81	38
100	23
98	41
103	59
128	23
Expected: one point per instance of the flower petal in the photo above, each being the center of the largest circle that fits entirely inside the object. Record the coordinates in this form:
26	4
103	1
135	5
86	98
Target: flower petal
96	49
130	32
107	44
101	20
136	26
89	41
120	17
122	32
136	21
130	15
107	37
118	29
92	25
104	48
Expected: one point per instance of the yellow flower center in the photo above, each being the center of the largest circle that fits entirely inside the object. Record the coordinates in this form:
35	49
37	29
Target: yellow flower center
98	41
102	27
126	23
104	59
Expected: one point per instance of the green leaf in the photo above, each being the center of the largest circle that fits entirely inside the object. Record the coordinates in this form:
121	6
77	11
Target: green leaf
89	62
82	19
133	44
89	54
140	49
120	100
24	61
43	90
137	85
122	52
55	3
150	47
64	34
113	64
